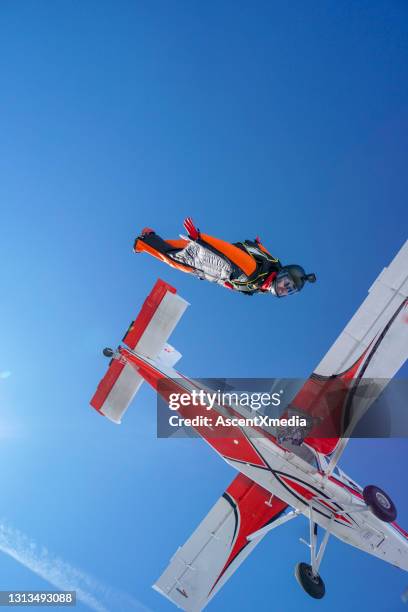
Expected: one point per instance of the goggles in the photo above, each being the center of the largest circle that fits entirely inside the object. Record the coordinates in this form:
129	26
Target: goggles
284	284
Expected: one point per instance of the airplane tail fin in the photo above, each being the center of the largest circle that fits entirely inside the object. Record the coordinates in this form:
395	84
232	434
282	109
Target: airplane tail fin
147	336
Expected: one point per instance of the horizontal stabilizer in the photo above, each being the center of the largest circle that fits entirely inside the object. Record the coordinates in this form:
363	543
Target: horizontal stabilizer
159	315
147	336
116	390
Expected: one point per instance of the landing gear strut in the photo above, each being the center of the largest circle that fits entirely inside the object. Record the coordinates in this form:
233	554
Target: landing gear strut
308	575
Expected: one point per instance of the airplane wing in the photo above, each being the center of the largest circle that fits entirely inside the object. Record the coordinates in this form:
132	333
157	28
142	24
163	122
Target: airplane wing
220	544
367	354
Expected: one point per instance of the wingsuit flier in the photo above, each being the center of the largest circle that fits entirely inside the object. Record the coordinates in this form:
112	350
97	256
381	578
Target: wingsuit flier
247	266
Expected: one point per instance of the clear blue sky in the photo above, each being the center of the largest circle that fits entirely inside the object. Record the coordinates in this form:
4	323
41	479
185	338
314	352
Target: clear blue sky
287	120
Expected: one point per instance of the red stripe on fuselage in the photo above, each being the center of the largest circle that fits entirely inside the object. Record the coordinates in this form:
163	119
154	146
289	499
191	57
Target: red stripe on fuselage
233	444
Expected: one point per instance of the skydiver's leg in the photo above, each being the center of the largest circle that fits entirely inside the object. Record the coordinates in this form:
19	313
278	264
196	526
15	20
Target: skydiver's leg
190	254
168	248
164	250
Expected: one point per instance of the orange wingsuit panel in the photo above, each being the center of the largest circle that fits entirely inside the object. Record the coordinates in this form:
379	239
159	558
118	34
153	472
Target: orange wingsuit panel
178	244
264	249
238	257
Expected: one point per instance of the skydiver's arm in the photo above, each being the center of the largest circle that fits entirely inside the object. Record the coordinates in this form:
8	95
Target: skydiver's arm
264	249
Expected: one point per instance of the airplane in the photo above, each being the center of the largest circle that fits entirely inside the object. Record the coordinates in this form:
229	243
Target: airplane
277	481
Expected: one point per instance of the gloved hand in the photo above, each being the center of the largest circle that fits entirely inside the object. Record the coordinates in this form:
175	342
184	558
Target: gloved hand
192	231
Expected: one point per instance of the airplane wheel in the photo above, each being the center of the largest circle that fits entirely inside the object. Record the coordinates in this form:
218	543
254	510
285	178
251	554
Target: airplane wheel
380	504
108	352
313	585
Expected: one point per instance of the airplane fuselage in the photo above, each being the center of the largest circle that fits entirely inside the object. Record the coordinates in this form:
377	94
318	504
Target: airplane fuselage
335	501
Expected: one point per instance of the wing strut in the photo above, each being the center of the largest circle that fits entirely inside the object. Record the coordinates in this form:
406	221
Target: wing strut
280	521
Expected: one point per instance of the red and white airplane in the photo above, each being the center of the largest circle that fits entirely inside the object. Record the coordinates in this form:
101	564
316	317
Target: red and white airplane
275	483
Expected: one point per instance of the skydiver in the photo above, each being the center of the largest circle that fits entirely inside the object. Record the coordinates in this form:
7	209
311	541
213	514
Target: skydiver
247	266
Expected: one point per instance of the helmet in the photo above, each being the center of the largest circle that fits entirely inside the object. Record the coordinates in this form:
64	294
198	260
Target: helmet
291	279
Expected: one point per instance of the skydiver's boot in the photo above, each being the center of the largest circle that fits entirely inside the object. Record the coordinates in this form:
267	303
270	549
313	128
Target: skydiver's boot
164	250
146	231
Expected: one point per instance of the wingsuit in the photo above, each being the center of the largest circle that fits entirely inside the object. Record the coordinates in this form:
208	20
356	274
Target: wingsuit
246	266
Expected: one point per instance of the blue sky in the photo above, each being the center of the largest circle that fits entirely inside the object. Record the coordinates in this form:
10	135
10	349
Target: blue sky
287	120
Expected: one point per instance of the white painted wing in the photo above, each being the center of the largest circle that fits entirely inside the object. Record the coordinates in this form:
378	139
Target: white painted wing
219	544
374	345
382	312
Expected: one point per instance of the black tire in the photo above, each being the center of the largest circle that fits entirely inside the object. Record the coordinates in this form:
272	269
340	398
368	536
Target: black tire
380	503
108	352
312	585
